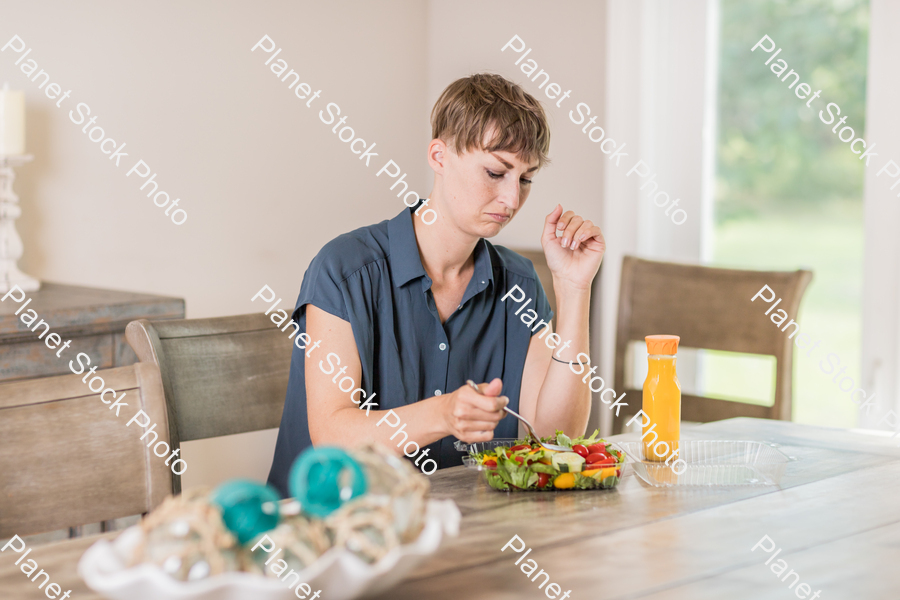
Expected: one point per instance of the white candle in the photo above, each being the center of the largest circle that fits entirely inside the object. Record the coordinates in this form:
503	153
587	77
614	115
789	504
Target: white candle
12	121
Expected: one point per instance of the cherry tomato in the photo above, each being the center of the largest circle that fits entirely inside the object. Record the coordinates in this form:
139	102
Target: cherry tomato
520	447
543	479
594	458
518	459
596	448
608	461
618	472
580	450
489	462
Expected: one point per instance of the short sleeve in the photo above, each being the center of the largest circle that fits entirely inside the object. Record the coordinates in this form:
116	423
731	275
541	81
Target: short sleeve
322	283
541	303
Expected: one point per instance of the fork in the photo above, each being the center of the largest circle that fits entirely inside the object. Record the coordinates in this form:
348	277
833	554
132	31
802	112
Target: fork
527	425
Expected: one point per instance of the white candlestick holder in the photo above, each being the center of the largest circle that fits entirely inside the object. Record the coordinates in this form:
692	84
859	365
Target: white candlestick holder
11	248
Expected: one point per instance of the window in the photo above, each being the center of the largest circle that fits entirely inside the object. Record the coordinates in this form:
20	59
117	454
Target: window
788	192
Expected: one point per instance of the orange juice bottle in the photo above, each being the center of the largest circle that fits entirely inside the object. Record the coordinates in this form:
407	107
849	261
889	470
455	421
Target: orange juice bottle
662	399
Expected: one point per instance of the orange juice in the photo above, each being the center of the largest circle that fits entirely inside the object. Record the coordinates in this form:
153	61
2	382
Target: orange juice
662	399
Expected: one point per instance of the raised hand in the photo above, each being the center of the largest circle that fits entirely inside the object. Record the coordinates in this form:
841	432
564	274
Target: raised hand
574	248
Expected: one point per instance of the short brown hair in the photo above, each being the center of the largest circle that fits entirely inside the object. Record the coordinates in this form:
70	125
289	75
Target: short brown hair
472	106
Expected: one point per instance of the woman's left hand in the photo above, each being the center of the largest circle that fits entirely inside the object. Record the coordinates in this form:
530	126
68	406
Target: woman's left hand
574	257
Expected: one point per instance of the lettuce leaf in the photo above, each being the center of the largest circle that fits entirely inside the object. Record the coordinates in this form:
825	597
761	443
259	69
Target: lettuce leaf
590	440
525	477
563	440
502	472
585	483
496	482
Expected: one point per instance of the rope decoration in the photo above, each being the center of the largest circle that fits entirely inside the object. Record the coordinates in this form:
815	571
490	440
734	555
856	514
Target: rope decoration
186	537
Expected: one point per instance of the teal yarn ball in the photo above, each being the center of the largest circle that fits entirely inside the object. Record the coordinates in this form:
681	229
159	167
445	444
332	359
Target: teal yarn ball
324	478
248	508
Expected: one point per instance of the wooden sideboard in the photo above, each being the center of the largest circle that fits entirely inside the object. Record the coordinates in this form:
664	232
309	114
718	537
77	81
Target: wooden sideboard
94	319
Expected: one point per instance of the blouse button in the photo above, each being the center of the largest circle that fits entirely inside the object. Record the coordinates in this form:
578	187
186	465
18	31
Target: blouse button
443	346
437	392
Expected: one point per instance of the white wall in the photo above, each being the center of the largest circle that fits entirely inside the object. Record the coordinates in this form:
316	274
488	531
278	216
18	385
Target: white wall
655	99
568	44
265	183
623	102
881	213
466	37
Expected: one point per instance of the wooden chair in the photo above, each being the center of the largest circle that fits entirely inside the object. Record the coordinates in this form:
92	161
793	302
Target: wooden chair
67	460
709	308
221	376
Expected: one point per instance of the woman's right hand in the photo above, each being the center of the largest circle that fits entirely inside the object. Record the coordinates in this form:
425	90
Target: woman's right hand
472	417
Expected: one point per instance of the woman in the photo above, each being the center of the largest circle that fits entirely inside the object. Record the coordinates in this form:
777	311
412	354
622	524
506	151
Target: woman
407	311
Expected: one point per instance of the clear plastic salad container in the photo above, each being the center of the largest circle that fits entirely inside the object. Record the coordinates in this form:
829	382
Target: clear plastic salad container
519	477
710	462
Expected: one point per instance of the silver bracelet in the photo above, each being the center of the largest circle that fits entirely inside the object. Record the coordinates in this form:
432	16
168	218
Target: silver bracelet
568	362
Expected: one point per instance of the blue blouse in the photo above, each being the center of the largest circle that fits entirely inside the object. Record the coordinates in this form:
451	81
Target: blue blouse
374	279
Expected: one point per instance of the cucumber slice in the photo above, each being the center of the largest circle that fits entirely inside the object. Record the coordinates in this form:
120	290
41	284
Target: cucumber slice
567	462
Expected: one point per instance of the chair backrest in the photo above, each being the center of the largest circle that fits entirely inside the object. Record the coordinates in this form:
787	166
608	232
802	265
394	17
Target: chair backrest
221	376
66	460
708	308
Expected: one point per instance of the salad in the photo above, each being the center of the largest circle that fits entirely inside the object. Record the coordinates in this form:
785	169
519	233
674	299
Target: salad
592	463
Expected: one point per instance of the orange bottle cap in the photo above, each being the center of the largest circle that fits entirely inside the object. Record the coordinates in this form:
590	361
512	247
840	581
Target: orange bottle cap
662	344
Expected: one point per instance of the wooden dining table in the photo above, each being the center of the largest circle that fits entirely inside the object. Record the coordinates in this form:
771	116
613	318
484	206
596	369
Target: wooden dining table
834	519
